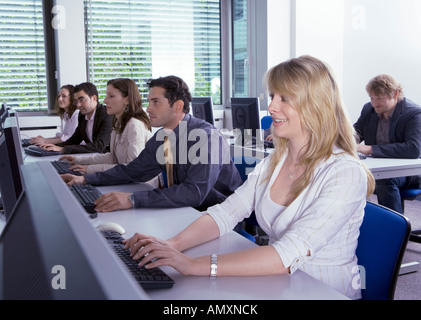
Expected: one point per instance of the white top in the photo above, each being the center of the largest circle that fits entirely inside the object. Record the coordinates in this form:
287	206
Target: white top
324	219
68	125
124	147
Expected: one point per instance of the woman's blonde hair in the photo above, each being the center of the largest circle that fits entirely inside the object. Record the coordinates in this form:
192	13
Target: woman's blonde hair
311	90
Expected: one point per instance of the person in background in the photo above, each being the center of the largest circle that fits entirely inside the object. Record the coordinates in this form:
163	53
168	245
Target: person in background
308	195
131	129
193	180
66	109
93	132
390	127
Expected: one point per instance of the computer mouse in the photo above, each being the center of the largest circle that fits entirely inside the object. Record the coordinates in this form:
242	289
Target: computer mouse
111	226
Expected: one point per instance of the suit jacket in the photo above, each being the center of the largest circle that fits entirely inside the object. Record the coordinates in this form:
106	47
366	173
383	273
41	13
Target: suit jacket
197	185
101	134
404	131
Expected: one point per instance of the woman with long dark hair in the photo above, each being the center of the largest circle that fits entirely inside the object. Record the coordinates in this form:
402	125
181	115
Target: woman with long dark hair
131	129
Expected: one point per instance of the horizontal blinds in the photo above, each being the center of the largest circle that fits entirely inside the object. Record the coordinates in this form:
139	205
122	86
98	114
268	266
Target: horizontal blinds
23	83
142	39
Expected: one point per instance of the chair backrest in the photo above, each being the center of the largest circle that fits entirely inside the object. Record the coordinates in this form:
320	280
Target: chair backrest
266	122
384	235
245	165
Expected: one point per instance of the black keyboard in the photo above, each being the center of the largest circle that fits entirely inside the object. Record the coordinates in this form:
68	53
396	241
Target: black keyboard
86	194
268	144
62	167
40	152
26	142
361	156
153	278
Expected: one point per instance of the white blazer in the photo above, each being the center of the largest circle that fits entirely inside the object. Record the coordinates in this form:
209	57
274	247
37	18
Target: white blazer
324	219
124	148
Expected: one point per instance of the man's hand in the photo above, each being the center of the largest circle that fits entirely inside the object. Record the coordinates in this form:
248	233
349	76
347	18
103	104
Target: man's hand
71	179
364	149
113	201
69	159
79	168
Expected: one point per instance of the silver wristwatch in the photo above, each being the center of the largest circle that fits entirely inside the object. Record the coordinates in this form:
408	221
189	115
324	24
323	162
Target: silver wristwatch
131	198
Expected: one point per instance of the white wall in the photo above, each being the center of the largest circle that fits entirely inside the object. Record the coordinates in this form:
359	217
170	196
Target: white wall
381	36
361	39
278	31
68	23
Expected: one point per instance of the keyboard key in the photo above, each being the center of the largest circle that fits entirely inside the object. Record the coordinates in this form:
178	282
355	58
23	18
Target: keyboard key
62	167
153	278
86	195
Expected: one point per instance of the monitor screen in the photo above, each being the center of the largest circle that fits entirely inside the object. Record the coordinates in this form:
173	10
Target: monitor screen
10	161
3	113
50	249
202	108
246	119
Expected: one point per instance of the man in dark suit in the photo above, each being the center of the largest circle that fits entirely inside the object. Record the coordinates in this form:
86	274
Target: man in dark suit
390	126
93	132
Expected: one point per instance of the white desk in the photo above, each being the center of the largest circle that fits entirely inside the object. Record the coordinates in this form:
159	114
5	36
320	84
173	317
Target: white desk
164	223
383	168
27	158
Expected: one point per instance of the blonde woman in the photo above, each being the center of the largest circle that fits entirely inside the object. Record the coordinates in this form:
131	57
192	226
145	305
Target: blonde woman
308	196
131	129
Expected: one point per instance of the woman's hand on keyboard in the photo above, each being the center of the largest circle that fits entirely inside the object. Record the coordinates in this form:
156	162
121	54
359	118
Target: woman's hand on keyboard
71	179
69	159
156	253
52	147
38	140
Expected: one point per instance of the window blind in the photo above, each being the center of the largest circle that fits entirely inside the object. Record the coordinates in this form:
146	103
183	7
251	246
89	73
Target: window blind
23	83
143	39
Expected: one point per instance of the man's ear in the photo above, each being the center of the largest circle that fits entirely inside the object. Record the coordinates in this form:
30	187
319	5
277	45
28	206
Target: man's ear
178	106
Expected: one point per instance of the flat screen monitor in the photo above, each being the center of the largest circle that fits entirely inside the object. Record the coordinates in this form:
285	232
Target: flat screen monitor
50	249
10	161
202	108
3	112
246	120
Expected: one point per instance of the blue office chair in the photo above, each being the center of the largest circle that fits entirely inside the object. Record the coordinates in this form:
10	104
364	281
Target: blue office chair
244	166
266	122
380	256
411	194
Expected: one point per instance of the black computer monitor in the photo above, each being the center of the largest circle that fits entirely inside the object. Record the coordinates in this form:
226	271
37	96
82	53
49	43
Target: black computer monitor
10	161
3	115
246	119
49	249
202	108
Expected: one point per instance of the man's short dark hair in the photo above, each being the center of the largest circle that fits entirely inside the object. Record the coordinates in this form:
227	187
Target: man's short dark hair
88	87
175	89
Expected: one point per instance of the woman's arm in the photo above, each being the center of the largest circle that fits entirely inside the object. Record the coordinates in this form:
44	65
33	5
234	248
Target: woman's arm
252	262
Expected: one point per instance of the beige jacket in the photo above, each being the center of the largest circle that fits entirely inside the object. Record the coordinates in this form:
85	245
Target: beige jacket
124	148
